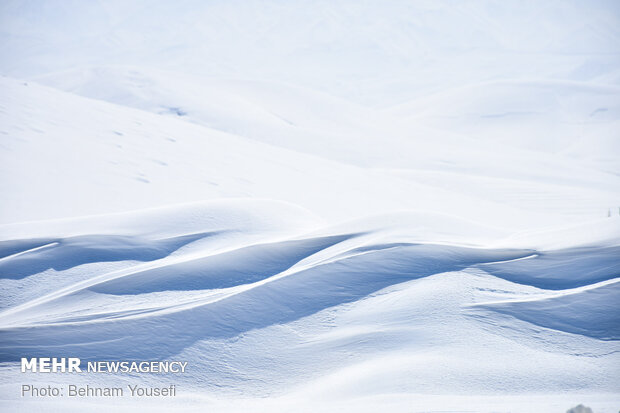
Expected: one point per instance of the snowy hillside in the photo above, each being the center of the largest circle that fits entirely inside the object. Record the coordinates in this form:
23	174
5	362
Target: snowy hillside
320	206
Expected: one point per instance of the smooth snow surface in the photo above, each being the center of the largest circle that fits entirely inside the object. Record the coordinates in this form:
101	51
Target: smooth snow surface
321	206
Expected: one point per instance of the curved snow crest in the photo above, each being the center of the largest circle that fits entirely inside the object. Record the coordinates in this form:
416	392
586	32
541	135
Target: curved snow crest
37	255
284	297
243	266
590	311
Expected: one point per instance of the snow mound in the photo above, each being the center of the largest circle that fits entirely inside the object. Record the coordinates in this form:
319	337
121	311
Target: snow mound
333	206
222	285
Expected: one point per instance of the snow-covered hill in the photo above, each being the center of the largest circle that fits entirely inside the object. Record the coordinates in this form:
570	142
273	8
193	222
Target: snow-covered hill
321	206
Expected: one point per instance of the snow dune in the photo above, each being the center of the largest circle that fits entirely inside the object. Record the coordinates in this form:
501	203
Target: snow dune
364	272
473	271
320	206
321	289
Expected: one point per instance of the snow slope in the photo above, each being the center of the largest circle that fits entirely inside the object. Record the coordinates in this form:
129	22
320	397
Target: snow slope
320	206
261	305
135	160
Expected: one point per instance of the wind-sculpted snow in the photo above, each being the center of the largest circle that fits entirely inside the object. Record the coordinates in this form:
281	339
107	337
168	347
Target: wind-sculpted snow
61	254
473	270
320	206
228	269
270	293
187	291
561	269
591	311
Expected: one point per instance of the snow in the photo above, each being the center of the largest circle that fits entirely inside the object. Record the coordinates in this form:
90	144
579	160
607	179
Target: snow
319	206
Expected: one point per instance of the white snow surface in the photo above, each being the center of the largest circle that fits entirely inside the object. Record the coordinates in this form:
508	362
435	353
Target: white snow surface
321	206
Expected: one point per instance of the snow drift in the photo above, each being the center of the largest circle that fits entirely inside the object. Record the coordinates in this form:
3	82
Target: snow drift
347	206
